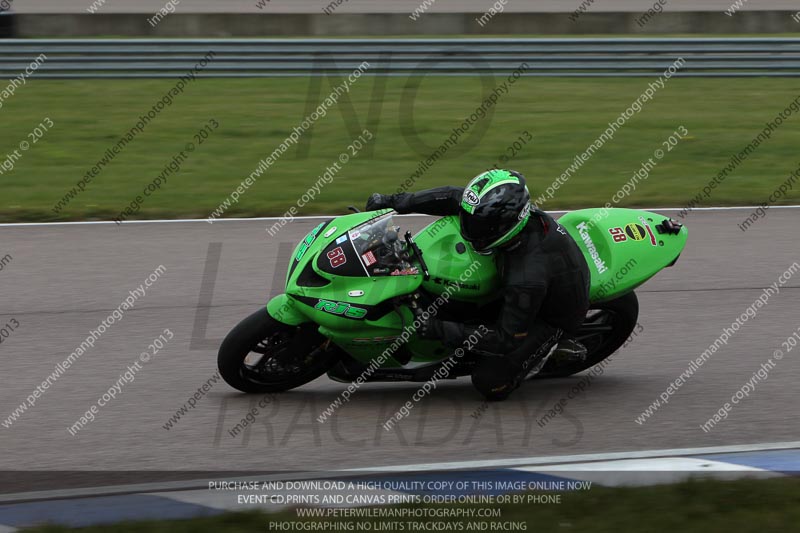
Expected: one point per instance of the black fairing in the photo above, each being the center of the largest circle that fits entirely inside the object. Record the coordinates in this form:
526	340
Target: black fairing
352	265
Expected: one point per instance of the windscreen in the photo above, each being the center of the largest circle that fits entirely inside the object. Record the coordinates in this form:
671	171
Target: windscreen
380	249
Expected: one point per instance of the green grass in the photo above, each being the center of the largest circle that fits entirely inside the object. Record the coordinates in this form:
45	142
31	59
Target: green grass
691	507
255	115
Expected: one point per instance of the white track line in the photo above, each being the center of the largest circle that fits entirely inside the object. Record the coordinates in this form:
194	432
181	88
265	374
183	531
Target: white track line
326	217
563	459
503	463
139	488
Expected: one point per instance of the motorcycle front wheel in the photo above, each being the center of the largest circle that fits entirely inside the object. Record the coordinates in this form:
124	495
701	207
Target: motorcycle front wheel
262	355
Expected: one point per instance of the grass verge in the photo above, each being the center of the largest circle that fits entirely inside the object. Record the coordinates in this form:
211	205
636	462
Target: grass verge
409	117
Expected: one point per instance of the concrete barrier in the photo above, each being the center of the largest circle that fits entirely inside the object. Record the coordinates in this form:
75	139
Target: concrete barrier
388	24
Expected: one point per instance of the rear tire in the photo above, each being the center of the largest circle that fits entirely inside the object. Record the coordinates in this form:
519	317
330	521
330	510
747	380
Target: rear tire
620	314
263	355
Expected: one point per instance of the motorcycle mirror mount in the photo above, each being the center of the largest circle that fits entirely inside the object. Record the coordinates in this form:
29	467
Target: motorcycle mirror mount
418	253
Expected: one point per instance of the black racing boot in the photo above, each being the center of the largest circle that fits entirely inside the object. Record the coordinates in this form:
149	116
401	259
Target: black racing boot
497	376
569	351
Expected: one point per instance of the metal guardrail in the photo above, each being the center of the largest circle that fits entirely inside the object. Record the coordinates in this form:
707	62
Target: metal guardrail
247	58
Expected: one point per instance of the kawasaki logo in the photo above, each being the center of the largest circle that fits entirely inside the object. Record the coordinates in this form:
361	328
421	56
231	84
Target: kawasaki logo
341	308
307	242
599	264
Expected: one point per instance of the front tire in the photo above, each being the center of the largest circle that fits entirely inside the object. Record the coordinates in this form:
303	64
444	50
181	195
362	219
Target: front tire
262	355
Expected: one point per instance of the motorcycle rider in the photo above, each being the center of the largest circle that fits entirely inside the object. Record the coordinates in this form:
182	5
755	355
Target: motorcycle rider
544	277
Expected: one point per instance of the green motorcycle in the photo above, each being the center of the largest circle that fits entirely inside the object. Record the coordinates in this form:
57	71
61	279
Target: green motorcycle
354	289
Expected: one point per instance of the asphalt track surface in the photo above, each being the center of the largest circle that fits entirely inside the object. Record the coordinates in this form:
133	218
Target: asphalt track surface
65	279
387	6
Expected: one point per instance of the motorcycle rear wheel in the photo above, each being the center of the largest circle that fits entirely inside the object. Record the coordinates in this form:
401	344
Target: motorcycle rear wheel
262	355
606	328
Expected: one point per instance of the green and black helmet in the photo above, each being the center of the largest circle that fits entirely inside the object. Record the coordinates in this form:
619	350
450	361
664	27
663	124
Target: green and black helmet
494	209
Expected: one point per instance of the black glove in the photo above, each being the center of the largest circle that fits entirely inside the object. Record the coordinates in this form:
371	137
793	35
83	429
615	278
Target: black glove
379	201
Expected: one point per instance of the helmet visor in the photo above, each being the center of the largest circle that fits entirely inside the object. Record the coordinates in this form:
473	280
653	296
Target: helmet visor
482	233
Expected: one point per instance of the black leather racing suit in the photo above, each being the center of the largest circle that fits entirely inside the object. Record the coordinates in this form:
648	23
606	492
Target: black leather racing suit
544	277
